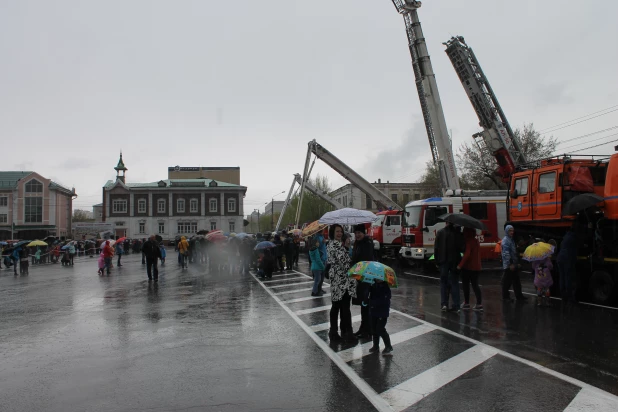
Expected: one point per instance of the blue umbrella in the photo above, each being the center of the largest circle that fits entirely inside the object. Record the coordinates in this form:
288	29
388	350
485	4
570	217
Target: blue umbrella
3	243
242	235
64	247
21	243
265	245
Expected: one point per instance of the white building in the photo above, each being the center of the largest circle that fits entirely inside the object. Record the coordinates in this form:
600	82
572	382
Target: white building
400	193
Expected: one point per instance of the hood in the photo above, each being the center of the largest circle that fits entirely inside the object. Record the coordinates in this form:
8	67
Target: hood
183	238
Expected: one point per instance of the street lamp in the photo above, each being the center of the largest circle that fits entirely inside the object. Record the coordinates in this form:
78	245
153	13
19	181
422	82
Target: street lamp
272	209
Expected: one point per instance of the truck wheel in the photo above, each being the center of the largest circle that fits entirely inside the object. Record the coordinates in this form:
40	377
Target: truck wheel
601	287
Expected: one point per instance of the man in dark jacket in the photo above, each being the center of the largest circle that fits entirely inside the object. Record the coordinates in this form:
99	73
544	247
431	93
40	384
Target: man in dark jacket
288	250
362	252
447	253
567	258
152	253
279	253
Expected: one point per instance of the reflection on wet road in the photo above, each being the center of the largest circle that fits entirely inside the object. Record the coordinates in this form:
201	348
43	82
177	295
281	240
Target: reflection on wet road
71	340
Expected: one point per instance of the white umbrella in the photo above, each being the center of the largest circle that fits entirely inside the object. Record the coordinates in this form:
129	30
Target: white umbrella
347	216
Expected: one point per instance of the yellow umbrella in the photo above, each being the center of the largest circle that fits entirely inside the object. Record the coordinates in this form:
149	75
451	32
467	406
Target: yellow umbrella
538	251
313	228
36	243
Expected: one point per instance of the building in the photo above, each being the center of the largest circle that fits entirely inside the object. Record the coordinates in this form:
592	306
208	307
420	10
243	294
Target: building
97	212
33	207
275	207
401	193
171	207
221	174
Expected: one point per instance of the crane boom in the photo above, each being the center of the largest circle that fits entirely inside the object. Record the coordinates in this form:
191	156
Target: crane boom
497	135
427	88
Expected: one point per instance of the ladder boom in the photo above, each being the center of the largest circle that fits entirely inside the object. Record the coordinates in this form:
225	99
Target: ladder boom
285	204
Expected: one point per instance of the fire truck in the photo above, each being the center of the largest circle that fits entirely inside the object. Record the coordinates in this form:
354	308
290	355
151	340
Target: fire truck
538	190
421	216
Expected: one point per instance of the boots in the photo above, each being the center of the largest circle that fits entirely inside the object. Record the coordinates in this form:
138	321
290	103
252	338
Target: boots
376	344
348	335
334	336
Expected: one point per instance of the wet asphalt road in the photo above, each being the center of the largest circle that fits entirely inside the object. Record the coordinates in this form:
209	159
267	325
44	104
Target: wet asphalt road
73	341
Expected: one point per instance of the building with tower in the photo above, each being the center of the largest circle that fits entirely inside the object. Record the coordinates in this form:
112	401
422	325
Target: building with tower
171	207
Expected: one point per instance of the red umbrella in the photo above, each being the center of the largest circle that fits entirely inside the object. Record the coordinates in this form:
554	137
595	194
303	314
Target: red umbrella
217	237
122	239
214	233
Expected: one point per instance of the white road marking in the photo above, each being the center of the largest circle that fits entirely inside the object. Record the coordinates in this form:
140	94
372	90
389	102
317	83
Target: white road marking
289	284
590	402
281	280
326	325
359	351
312	310
413	390
305	298
285	274
299	290
378	402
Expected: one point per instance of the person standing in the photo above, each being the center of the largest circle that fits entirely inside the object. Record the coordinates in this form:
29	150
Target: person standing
72	252
362	252
183	251
279	252
566	259
152	253
510	265
317	269
142	249
447	252
119	251
343	288
163	253
470	267
288	250
108	254
380	304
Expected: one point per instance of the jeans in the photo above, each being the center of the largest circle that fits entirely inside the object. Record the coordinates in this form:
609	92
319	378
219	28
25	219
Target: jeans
108	263
318	277
341	307
449	282
151	268
378	330
511	277
119	256
467	277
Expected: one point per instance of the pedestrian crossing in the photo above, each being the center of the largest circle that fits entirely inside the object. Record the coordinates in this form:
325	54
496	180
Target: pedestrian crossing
433	368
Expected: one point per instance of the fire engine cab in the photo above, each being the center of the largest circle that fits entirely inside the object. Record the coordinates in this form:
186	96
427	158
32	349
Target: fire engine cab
386	233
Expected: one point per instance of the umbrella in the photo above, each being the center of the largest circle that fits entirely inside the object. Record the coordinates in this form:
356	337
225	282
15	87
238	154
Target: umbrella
214	233
265	245
369	271
296	232
242	235
460	219
37	243
538	251
122	239
313	228
158	238
347	216
112	242
3	243
232	234
580	202
217	237
21	243
65	247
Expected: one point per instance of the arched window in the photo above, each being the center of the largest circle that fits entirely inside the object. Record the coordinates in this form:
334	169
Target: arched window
34	186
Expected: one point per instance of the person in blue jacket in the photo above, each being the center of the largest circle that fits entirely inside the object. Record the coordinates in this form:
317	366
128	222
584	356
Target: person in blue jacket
379	308
317	269
511	266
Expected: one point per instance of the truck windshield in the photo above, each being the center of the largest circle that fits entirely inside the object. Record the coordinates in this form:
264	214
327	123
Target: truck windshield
413	215
378	221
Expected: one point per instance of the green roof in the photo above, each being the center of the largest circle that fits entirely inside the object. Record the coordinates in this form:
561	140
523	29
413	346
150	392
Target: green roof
175	183
8	180
120	165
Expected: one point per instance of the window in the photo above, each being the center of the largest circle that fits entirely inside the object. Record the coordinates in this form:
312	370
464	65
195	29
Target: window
417	196
187	227
161	227
394	221
478	210
232	226
547	182
345	200
231	205
4	200
119	205
4	218
213	205
142	228
180	205
394	197
193	205
141	206
521	186
406	198
368	204
34	186
34	209
161	206
433	213
213	225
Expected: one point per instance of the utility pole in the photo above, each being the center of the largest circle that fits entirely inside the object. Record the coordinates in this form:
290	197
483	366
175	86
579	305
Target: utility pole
272	210
258	212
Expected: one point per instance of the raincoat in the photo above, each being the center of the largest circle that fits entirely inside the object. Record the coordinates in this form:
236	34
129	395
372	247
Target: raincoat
509	250
183	246
542	273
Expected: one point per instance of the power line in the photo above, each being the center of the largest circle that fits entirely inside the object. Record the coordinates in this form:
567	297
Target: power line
596	145
578	118
590	141
581	121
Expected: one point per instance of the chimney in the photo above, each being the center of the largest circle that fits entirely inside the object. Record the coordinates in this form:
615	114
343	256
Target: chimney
379	180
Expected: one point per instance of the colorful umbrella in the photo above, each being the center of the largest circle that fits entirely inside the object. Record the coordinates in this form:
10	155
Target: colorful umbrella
217	237
37	243
21	243
296	232
214	233
313	228
538	251
265	245
347	216
368	272
122	239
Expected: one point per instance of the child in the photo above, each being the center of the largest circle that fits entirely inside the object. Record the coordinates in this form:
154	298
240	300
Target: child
101	263
317	269
542	280
379	306
163	254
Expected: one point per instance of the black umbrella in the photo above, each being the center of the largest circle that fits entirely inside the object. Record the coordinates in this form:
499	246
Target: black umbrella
158	238
463	220
580	202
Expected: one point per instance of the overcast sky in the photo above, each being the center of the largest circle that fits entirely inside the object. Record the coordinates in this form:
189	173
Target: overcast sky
248	83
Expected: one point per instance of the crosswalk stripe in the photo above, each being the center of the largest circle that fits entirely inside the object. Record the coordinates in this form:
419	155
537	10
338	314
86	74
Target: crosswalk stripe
289	284
325	326
359	351
590	400
281	280
285	274
305	298
413	390
306	311
298	290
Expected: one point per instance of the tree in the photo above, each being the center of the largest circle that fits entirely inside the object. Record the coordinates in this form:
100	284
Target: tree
313	206
431	179
476	164
81	216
